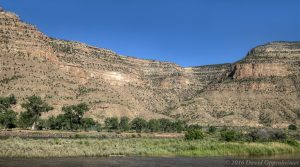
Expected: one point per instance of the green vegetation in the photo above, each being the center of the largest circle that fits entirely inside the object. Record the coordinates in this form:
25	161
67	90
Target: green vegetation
7	102
16	147
34	107
230	135
124	124
138	124
112	123
8	117
74	114
197	140
194	134
292	127
212	129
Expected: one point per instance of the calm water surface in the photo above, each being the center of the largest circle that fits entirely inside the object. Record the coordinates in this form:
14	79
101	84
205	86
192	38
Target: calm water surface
148	162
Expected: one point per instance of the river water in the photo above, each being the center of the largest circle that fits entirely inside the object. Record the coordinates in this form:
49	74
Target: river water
290	161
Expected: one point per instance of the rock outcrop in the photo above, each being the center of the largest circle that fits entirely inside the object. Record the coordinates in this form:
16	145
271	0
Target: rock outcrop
261	89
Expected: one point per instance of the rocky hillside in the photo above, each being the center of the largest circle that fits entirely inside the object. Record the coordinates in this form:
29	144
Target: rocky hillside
261	89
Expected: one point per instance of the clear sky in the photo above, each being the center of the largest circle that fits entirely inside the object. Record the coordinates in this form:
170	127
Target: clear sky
187	32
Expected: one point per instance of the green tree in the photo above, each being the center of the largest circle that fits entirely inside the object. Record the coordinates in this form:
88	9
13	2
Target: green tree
124	124
165	125
51	123
138	124
74	114
154	125
25	120
35	106
8	118
57	123
112	123
88	123
178	126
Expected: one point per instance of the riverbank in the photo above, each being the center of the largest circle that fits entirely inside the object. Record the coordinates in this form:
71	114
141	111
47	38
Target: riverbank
89	147
47	134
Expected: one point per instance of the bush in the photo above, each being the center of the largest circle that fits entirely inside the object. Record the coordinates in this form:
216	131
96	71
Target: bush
279	135
253	136
195	126
154	125
230	135
25	120
291	142
98	127
124	124
138	124
165	125
88	123
212	129
292	127
6	102
179	126
112	123
193	134
41	124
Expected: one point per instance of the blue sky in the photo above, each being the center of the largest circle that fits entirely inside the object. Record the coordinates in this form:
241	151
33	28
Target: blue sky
186	32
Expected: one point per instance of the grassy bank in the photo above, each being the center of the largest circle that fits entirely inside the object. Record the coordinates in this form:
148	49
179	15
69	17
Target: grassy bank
17	147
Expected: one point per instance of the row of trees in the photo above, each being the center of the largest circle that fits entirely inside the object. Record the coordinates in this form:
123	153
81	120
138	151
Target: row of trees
72	117
141	125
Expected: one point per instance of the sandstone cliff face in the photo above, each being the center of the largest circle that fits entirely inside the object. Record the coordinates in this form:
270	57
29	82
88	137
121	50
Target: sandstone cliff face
261	89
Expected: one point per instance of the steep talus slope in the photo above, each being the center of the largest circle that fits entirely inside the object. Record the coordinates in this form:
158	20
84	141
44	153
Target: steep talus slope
262	87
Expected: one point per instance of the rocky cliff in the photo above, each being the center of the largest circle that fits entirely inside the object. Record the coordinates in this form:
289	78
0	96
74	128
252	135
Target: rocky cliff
261	89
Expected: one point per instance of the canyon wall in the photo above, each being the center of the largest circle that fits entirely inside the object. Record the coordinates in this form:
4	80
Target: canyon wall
261	89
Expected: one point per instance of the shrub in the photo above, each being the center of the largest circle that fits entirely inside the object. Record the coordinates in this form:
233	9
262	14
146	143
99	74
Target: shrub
88	123
292	127
6	102
112	123
165	125
154	125
138	124
124	124
291	142
41	124
195	126
230	135
98	127
253	136
193	134
279	135
212	129
25	120
178	126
